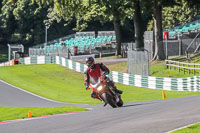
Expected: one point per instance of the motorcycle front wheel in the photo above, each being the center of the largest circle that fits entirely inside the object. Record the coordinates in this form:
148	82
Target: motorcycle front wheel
109	100
120	103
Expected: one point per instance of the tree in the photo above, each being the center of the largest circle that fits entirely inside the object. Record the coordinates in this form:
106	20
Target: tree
157	7
8	23
194	4
157	19
182	12
138	24
24	22
114	11
178	14
88	10
29	18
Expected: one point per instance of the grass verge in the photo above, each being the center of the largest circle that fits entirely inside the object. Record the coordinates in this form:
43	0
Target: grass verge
61	84
191	129
12	113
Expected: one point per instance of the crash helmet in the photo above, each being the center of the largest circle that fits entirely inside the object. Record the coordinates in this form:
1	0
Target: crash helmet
89	61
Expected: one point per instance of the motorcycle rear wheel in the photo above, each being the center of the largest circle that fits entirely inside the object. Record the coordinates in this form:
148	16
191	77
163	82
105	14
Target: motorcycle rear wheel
120	103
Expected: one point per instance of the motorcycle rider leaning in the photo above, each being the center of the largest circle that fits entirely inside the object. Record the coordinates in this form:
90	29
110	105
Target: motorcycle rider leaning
95	70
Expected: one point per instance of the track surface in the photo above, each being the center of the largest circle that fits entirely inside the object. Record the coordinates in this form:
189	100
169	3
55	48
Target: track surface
138	117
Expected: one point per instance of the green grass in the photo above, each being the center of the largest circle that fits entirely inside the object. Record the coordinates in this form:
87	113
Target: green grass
120	67
158	69
58	83
191	129
11	113
61	84
51	81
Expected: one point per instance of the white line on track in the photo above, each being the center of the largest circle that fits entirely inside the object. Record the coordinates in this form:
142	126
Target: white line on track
33	93
181	128
40	117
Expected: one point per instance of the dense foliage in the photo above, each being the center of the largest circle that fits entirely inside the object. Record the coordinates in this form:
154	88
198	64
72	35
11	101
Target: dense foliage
24	21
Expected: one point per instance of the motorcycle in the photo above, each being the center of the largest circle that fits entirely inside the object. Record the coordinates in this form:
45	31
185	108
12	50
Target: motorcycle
106	93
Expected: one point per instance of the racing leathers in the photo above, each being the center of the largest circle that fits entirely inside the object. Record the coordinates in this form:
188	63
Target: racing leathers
93	73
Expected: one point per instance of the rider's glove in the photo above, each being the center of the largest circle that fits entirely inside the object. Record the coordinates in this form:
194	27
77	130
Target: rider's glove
86	86
105	73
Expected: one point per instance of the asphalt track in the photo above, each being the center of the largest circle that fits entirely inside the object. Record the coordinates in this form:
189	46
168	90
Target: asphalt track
138	117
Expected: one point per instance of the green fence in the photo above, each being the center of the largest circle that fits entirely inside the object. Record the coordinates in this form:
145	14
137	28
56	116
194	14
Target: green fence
178	84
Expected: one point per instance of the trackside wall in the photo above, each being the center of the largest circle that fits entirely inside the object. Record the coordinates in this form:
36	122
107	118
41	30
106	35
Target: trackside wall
160	83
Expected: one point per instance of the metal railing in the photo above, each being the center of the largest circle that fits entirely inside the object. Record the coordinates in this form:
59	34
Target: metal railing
182	65
192	42
59	40
57	51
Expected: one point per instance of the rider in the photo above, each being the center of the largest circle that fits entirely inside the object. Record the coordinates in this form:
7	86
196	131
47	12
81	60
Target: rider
95	70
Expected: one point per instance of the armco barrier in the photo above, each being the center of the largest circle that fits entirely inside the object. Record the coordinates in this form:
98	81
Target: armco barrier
178	84
8	63
38	60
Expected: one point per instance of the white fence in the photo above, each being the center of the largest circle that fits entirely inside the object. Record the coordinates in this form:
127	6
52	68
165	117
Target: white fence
178	84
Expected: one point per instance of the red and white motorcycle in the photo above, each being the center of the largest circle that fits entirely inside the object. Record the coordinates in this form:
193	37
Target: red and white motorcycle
106	93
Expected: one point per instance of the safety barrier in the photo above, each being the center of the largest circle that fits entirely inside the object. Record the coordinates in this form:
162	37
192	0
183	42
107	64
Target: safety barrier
8	63
178	84
32	60
38	60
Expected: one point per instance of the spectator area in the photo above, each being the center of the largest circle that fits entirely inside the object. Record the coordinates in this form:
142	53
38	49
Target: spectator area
192	27
82	41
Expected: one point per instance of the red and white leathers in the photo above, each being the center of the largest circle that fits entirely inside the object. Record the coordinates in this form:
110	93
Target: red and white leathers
92	74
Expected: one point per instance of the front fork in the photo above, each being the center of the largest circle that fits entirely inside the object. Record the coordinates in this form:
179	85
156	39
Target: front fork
113	93
116	95
102	99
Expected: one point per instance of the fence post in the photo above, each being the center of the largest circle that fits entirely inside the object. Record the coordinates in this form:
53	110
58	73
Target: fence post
178	66
199	69
166	66
174	65
183	69
180	47
194	69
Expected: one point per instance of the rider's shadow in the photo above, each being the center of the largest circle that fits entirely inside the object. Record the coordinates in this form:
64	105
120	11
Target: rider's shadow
135	104
131	105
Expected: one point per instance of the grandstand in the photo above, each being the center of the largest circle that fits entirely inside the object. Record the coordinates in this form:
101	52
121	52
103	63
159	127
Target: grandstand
183	40
188	35
80	43
192	27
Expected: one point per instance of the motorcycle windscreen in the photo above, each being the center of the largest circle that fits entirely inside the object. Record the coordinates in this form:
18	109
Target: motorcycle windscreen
94	80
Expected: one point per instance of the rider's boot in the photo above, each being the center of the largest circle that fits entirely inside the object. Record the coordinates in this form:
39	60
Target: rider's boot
115	88
118	91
